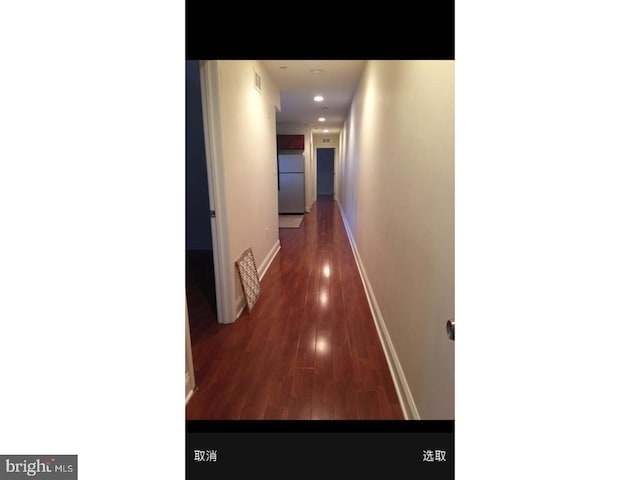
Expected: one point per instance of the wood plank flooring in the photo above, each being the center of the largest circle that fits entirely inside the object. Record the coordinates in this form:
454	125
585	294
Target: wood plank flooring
309	349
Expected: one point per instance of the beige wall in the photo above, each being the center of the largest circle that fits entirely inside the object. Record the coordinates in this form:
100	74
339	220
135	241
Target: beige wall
397	192
334	140
248	151
296	129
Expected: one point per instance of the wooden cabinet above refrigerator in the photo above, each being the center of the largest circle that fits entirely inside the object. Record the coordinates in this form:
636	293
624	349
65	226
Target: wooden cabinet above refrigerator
290	143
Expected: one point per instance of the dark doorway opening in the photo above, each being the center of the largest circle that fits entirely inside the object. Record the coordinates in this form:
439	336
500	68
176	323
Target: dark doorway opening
199	266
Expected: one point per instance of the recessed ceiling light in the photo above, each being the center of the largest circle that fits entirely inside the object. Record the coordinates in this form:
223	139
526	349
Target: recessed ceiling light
321	119
318	98
316	71
326	130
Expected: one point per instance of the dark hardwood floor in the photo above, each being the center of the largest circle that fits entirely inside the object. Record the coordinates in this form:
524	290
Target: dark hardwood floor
308	350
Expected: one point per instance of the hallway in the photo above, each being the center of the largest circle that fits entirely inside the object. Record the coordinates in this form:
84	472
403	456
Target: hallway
308	350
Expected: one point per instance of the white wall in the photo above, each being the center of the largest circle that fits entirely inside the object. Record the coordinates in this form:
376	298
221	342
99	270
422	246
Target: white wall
247	142
297	129
396	190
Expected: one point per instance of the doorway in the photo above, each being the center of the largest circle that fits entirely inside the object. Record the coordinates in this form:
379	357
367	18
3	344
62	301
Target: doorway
325	172
199	260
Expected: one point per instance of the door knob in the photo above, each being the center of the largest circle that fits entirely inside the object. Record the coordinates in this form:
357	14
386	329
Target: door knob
451	329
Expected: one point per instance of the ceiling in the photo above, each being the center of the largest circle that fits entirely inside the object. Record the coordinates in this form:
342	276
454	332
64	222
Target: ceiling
300	80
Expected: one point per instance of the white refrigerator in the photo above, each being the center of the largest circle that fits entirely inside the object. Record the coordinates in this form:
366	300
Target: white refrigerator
291	183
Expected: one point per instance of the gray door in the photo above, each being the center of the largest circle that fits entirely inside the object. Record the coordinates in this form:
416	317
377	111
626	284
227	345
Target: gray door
325	171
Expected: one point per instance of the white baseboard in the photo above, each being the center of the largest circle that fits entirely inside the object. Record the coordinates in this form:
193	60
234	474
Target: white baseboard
240	304
262	269
189	387
266	263
409	409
